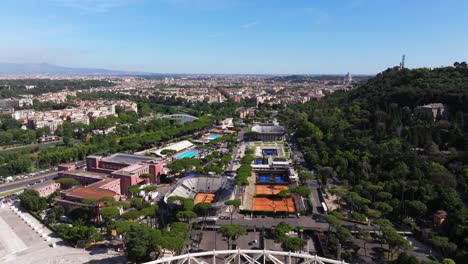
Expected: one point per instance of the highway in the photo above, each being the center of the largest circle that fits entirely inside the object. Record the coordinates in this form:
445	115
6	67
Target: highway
24	183
43	176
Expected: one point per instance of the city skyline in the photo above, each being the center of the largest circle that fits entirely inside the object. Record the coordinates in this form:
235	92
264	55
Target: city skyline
233	37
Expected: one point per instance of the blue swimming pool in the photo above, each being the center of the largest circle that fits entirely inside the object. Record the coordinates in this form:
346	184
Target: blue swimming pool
186	154
213	136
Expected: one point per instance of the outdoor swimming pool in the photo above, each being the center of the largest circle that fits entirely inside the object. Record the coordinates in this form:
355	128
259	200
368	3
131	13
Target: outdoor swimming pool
213	136
186	154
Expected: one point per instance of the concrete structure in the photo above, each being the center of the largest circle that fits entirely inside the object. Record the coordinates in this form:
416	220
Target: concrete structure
15	102
53	124
246	256
83	177
226	123
188	187
177	147
76	196
46	188
265	132
435	111
439	217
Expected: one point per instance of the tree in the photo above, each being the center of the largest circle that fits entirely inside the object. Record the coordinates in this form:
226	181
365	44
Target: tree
131	215
305	176
448	261
280	231
133	190
343	234
303	191
202	209
90	201
140	241
235	204
108	214
231	233
326	173
443	244
80	213
67	183
186	215
150	188
32	202
294	243
395	241
58	210
366	237
333	222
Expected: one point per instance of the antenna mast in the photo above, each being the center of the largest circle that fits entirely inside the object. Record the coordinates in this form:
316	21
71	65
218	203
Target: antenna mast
402	63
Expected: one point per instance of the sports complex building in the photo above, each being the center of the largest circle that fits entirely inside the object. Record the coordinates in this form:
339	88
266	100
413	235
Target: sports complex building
272	174
265	132
209	189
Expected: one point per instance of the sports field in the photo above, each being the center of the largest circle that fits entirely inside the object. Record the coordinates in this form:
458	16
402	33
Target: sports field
269	189
203	198
273	205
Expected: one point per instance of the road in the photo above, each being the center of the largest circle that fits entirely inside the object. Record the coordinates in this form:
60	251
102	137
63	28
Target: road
316	202
268	222
24	183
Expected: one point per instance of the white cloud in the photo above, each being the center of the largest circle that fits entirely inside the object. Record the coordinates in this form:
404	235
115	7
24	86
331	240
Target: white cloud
251	24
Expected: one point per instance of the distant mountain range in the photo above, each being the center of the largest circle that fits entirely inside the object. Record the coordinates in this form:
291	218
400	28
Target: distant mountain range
50	69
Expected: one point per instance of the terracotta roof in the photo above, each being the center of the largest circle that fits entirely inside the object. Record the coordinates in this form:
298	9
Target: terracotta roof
90	192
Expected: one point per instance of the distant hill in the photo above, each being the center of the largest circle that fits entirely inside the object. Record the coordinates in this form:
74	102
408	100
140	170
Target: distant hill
50	69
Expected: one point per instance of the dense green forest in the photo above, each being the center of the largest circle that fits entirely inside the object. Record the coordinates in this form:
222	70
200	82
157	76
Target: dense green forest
393	163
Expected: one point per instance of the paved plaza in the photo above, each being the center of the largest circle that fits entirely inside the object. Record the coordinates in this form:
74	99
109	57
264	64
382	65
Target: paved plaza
21	243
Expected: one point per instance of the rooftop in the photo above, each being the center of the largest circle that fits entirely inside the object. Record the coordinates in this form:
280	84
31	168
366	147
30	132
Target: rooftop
90	191
43	184
127	158
268	128
88	174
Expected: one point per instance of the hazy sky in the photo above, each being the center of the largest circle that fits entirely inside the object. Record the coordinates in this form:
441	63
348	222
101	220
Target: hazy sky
235	36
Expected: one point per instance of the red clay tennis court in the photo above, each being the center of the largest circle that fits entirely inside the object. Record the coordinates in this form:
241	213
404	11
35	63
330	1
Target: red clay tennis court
203	198
273	205
269	189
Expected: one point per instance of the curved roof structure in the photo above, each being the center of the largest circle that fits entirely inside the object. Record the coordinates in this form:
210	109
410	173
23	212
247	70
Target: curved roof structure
189	187
176	147
268	129
246	256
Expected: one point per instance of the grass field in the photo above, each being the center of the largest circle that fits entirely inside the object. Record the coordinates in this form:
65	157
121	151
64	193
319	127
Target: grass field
3	194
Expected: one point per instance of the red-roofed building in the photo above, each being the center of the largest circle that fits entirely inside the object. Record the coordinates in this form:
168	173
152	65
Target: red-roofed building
74	197
126	167
46	188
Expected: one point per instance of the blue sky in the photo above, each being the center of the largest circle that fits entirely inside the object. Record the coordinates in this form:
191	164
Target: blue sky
235	36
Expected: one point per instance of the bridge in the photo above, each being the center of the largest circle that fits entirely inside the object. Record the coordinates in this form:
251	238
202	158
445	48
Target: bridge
183	118
245	256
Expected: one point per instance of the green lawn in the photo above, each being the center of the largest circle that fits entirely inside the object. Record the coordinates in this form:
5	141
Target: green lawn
10	192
